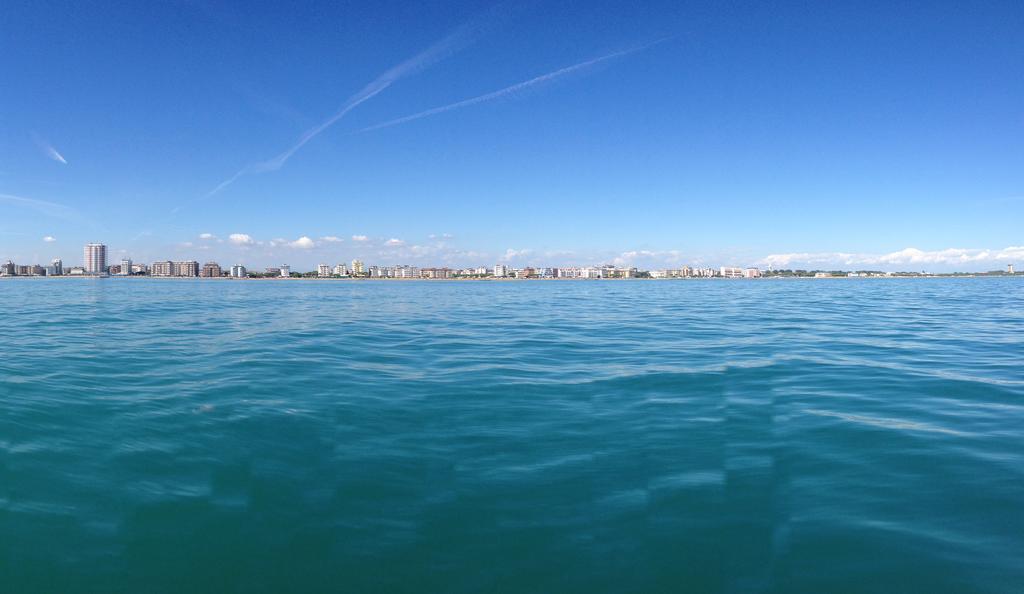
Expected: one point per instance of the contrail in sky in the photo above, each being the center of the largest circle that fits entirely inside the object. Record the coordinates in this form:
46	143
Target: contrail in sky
49	150
508	90
435	53
42	206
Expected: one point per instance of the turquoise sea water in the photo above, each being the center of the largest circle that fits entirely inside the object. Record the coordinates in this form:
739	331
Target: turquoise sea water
652	436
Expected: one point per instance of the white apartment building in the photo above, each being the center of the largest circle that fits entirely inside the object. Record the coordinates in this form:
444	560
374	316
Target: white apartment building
340	270
238	271
286	271
500	270
406	272
323	270
126	266
751	273
730	272
357	267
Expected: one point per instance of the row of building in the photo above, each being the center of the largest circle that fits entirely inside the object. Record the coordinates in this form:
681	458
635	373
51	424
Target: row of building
95	263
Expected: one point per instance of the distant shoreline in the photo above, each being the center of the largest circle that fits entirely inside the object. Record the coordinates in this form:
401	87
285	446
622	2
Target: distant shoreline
492	279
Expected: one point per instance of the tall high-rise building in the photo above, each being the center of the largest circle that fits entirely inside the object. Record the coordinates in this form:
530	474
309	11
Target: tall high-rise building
95	256
58	267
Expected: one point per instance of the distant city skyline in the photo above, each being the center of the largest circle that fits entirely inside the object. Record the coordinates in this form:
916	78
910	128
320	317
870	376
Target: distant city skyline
444	250
883	138
94	261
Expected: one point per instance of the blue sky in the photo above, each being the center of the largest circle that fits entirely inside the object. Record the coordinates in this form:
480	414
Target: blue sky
886	135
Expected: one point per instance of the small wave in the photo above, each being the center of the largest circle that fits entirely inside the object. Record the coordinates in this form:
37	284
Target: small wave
885	422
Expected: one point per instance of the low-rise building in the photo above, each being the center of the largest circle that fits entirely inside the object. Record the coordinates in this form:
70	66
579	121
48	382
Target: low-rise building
437	273
30	270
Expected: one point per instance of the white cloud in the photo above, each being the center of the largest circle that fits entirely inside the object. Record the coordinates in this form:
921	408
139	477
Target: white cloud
912	257
331	239
49	239
303	243
207	236
652	258
241	239
511	254
360	238
394	242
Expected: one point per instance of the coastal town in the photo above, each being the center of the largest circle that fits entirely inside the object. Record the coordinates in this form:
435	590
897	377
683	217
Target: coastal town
95	264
